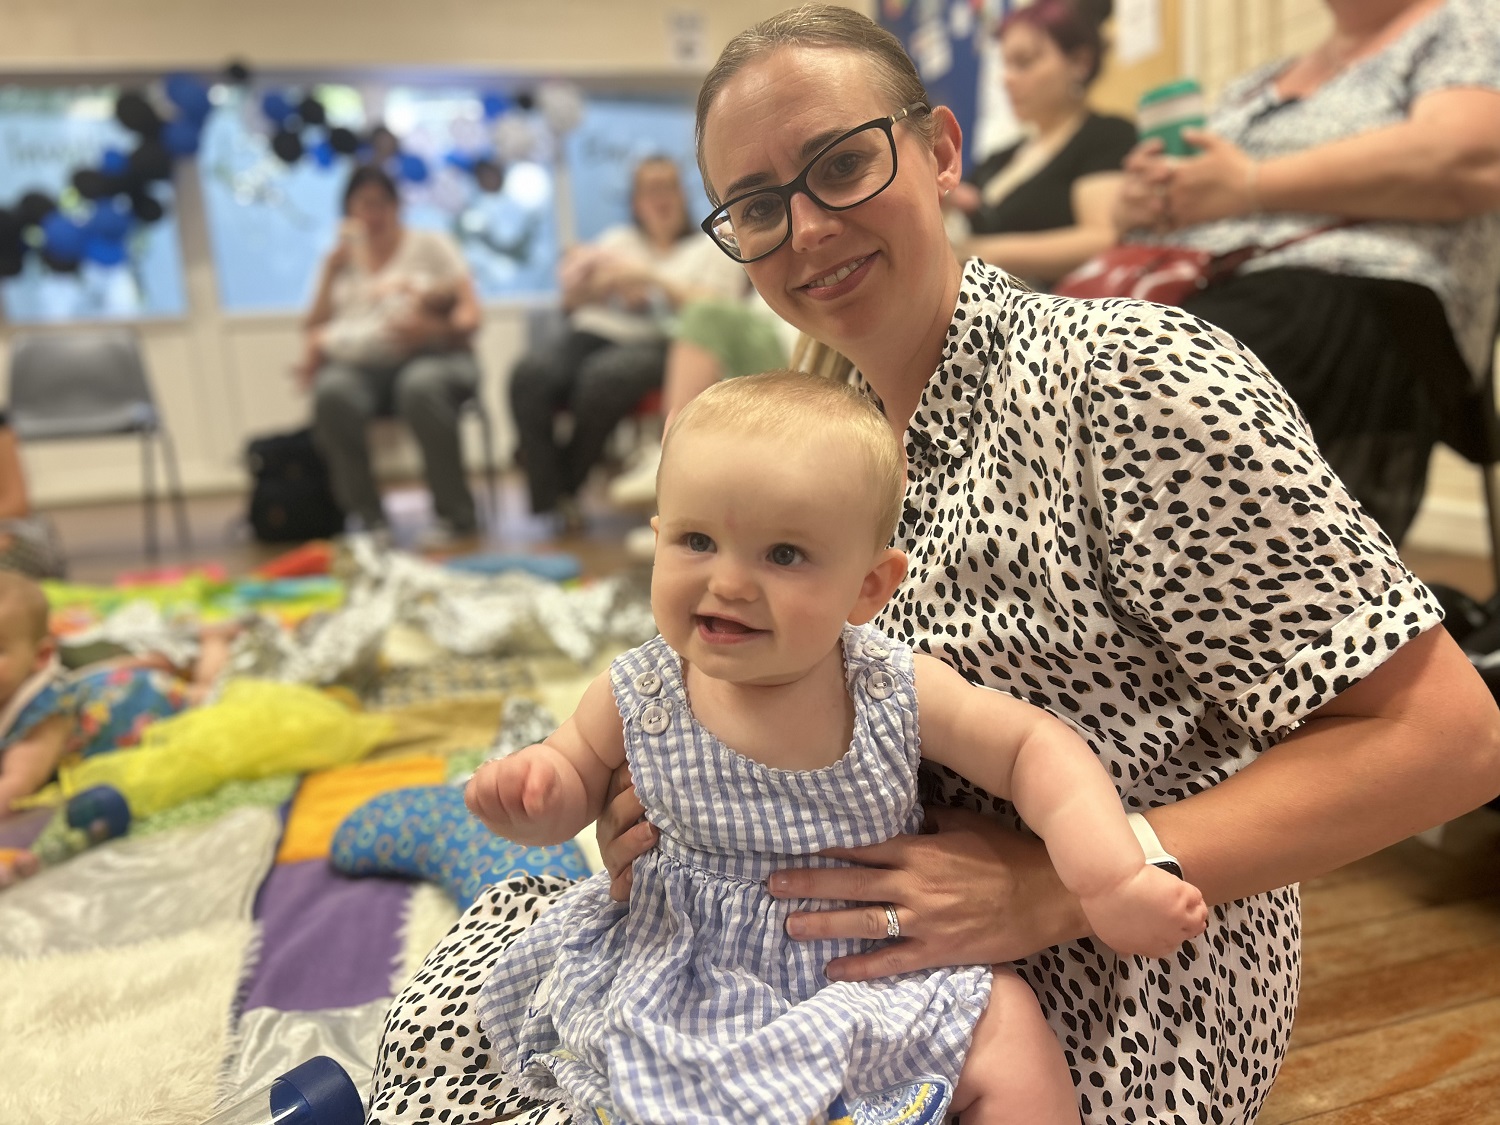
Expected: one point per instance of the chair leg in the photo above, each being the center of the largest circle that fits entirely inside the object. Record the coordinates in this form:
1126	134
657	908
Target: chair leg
148	496
492	511
174	490
1492	512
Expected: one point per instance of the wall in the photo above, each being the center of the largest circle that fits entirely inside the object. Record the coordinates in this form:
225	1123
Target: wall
221	379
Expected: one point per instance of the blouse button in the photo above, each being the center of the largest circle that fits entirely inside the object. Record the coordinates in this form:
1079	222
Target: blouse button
879	684
875	650
654	718
648	683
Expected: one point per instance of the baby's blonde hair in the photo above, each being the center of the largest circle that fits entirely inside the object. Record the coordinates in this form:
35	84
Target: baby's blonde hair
797	405
22	601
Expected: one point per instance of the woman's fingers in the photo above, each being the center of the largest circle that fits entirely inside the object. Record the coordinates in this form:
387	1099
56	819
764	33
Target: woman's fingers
622	833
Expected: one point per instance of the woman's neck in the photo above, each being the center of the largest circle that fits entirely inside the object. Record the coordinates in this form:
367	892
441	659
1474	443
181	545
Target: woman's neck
899	372
1058	126
1357	24
383	245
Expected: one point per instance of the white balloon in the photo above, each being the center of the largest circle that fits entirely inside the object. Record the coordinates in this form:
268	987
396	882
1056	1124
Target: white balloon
561	104
515	138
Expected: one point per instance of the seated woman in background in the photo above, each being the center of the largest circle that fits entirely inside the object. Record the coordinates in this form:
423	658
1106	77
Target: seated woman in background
1382	145
621	292
28	544
1043	206
388	333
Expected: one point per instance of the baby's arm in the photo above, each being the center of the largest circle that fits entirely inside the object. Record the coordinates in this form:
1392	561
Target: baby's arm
29	763
1047	771
549	792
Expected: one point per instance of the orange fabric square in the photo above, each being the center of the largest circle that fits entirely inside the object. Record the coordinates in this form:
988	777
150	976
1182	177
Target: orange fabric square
325	798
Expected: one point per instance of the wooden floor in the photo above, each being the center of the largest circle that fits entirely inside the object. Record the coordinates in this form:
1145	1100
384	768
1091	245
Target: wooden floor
1400	1016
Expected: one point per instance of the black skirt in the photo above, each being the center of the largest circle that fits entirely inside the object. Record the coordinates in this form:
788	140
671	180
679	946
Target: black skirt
1374	367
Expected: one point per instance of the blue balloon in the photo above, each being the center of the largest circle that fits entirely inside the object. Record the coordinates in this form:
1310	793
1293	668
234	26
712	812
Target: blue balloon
276	106
114	162
413	168
494	103
105	251
181	136
190	95
323	153
460	161
109	221
62	236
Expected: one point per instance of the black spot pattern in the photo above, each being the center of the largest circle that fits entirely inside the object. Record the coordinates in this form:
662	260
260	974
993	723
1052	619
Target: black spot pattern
1114	513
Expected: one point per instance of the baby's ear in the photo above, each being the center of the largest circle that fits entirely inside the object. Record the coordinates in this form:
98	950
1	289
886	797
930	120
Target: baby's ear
45	651
879	584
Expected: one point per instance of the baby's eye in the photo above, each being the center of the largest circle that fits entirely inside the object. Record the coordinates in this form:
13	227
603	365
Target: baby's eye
784	554
697	541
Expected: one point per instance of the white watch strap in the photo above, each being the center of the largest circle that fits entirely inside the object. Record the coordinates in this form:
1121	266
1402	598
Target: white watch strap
1155	853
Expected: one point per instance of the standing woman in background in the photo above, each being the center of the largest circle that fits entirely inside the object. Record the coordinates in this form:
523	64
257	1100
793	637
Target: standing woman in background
1043	206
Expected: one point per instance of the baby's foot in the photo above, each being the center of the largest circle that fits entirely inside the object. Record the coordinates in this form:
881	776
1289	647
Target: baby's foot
17	864
1151	913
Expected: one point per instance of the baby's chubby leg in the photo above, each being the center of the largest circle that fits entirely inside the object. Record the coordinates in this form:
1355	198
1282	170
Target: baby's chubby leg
1015	1072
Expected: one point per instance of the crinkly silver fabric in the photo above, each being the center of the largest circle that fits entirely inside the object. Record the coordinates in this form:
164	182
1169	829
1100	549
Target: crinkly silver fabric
272	1041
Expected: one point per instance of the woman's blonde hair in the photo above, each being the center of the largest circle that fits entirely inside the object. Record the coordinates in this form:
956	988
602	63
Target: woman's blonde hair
818	25
798	405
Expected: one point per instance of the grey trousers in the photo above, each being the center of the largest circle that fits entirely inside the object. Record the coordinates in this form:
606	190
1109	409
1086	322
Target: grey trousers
596	381
426	393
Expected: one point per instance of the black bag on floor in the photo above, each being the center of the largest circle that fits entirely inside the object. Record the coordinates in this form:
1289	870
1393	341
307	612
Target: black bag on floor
291	500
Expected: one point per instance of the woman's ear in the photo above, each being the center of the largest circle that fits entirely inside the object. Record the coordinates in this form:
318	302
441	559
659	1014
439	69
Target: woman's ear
879	584
947	149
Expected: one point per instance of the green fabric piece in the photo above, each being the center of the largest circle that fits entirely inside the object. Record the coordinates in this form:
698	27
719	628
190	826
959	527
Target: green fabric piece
267	792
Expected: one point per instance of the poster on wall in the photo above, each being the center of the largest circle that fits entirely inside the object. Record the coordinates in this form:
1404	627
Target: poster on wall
45	135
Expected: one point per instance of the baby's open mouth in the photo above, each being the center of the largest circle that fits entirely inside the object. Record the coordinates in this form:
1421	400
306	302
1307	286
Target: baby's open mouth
724	625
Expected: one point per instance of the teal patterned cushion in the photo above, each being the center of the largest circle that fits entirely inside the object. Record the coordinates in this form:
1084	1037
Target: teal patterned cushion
427	832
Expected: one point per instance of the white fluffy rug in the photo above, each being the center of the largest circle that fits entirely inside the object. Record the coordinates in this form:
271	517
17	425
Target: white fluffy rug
135	1033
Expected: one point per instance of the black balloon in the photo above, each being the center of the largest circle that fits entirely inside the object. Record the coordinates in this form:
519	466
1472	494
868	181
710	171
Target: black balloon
311	111
133	111
10	229
11	264
525	100
343	140
92	183
151	161
237	72
146	207
34	207
287	145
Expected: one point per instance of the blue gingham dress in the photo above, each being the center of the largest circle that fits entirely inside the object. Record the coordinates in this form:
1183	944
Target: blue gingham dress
693	1005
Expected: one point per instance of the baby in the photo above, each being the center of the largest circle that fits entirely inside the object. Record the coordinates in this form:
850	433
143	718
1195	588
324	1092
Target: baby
46	713
768	723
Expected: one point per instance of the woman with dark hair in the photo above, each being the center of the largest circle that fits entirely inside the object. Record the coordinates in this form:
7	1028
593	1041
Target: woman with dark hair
620	292
1042	206
389	333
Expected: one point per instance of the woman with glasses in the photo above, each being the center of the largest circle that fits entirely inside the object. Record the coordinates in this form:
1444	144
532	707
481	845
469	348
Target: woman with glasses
1112	512
1042	206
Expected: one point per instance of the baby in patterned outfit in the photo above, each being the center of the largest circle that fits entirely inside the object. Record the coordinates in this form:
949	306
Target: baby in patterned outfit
47	713
778	495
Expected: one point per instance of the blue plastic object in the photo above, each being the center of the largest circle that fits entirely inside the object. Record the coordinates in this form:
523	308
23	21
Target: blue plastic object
316	1092
103	805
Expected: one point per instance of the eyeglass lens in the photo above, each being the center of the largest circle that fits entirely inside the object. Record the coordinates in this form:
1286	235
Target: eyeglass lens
855	169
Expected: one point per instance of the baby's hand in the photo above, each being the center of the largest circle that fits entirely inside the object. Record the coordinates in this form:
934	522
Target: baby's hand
516	796
1151	913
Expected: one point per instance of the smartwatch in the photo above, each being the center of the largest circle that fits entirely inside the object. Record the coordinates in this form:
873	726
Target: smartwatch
1156	855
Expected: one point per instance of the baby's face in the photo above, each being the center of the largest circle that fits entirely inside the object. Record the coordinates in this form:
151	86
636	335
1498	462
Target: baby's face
763	546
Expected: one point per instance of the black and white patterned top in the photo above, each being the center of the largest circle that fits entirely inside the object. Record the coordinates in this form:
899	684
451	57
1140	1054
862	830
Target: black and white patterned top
1457	46
1113	512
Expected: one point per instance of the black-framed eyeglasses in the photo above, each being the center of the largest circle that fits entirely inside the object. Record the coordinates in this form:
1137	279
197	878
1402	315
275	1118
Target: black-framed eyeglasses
851	169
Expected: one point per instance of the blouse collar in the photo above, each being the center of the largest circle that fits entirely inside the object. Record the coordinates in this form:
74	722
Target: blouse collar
940	427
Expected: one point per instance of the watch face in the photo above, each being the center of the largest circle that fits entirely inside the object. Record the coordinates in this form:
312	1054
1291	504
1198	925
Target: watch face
1169	865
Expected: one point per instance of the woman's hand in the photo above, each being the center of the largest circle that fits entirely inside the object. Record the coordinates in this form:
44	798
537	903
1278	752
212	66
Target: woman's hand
1218	183
964	198
623	833
419	330
1142	203
966	892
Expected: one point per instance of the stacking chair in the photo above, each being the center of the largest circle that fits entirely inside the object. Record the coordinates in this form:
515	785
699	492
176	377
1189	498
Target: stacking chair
69	386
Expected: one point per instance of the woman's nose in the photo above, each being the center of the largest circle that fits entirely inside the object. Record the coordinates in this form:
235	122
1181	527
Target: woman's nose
811	224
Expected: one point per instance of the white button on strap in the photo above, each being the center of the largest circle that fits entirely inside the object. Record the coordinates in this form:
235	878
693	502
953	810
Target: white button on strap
879	684
875	650
648	683
655	718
